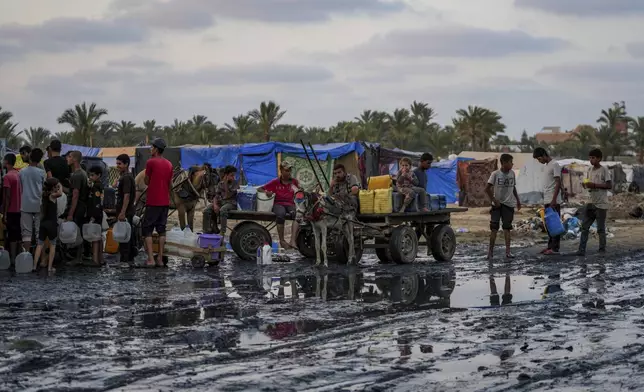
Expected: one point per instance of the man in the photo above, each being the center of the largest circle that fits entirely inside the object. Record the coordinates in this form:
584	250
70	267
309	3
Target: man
284	188
598	181
57	167
421	171
502	191
11	205
25	153
79	191
551	193
158	178
31	180
344	187
125	211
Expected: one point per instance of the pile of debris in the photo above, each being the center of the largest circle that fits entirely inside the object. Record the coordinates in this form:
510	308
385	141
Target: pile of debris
571	219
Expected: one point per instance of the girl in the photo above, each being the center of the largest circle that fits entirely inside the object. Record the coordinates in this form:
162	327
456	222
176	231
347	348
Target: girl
406	182
48	220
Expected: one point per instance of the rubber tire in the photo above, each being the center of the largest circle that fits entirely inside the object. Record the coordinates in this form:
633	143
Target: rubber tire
405	289
304	242
383	254
443	243
341	253
399	236
246	231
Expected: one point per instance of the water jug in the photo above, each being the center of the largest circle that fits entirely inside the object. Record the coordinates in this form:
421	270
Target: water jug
265	254
122	232
174	236
5	260
68	233
265	203
92	232
24	263
190	238
553	222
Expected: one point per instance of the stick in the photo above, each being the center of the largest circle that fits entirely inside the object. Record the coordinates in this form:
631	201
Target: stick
311	163
320	165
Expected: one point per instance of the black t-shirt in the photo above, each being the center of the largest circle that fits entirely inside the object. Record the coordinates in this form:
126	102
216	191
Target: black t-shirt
126	185
78	180
59	169
49	213
95	203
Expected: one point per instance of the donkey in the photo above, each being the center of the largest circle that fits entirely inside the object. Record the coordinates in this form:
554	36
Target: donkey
324	214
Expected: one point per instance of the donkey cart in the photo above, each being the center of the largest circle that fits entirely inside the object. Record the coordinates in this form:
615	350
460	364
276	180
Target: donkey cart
395	236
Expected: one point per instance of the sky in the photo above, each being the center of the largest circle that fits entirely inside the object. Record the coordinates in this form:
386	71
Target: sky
536	62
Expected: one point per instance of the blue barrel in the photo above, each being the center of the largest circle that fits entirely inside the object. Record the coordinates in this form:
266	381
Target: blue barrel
246	201
434	203
397	201
442	202
553	222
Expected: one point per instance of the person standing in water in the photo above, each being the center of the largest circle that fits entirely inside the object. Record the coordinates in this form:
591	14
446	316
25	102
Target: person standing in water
11	196
32	178
551	193
598	181
502	191
52	190
158	178
125	195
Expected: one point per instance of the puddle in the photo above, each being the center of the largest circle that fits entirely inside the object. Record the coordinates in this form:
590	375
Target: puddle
499	291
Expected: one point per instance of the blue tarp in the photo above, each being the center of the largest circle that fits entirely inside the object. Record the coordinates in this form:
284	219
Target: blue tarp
259	169
86	151
216	156
323	151
441	179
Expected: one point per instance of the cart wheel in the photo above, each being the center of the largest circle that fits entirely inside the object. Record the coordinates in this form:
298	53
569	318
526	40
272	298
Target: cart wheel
248	237
198	261
443	243
304	242
405	289
341	253
403	245
384	255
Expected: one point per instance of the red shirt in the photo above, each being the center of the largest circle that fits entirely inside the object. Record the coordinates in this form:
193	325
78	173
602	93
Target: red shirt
159	170
284	193
11	183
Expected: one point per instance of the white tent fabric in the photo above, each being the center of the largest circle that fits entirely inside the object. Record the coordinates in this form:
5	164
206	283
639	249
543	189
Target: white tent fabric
531	181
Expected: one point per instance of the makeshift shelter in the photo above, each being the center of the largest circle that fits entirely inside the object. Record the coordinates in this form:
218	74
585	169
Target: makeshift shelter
443	178
109	154
86	151
479	172
142	154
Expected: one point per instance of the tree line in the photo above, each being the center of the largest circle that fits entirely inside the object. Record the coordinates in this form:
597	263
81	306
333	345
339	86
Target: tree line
414	128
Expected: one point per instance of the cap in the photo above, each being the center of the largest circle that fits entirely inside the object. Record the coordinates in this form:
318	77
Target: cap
55	145
159	143
286	165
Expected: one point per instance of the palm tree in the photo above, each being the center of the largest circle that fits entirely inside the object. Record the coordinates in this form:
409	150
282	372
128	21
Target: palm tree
585	138
37	137
400	126
8	130
150	130
267	117
478	125
637	124
84	121
177	133
124	134
202	130
64	137
242	129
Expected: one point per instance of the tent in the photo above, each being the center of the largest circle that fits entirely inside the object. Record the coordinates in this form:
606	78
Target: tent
442	178
109	154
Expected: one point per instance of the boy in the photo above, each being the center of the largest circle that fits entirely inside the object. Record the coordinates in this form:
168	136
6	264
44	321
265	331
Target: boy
551	193
598	181
95	208
125	195
502	191
11	196
32	179
226	196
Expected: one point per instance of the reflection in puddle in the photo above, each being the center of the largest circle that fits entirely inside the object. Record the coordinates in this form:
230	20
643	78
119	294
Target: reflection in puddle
501	290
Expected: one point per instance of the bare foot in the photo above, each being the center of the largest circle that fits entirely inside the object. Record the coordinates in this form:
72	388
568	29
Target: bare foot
150	264
509	255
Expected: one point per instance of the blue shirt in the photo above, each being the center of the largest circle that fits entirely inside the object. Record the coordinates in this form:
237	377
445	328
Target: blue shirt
422	177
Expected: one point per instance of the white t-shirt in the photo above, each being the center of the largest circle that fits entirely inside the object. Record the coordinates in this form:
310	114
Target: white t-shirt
503	185
599	197
553	170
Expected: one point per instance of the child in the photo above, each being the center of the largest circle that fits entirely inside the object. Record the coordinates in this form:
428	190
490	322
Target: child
95	208
502	191
406	182
48	231
551	193
226	196
598	181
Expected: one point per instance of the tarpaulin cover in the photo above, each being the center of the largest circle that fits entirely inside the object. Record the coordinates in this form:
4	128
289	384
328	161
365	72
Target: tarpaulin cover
441	179
259	169
216	156
323	151
86	151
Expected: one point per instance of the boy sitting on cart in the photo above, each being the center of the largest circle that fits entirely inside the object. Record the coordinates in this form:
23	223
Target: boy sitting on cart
225	197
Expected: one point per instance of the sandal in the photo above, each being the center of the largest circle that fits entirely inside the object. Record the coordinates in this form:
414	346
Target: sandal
509	256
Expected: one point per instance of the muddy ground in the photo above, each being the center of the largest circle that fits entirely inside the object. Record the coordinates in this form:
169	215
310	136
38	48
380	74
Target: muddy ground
537	323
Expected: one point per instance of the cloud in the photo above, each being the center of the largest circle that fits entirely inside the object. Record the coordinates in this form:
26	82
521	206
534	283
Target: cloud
636	49
200	14
597	73
69	34
593	8
136	62
457	42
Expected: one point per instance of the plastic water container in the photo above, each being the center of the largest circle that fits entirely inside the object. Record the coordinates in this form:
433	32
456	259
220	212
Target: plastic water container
366	199
553	222
379	182
265	255
265	203
5	260
122	232
442	202
246	201
434	202
68	233
24	263
398	199
190	238
210	240
92	232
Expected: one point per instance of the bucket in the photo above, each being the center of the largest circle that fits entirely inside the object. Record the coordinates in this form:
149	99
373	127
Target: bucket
265	203
211	240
